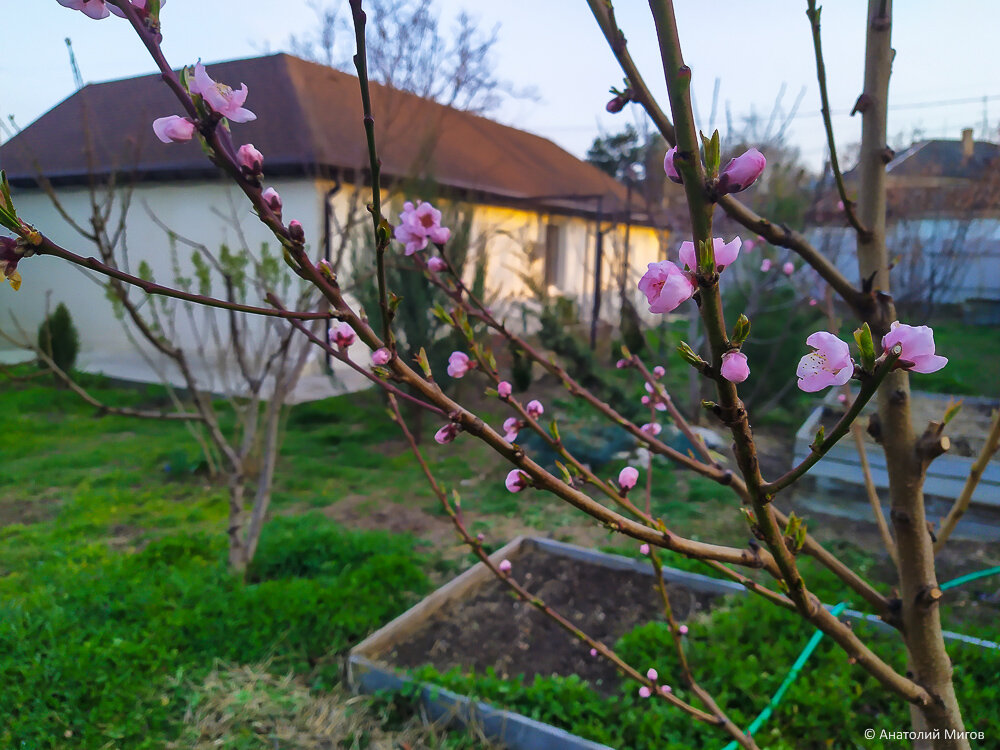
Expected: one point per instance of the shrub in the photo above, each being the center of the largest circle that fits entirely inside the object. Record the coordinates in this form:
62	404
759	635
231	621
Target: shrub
58	338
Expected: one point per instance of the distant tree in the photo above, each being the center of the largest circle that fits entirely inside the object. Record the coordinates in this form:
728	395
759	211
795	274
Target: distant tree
409	51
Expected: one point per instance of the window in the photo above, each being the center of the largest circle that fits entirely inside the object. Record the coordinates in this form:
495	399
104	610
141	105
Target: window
551	255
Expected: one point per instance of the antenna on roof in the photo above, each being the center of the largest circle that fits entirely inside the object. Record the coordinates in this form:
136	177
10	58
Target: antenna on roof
77	78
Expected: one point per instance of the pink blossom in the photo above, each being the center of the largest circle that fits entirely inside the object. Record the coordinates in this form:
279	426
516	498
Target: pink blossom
765	265
683	630
842	398
173	129
643	549
666	689
504	389
250	158
651	428
96	9
342	336
828	364
221	98
644	692
659	371
481	537
380	356
627	478
668	165
813	302
447	433
665	287
459	364
535	409
725	253
734	367
419	224
917	343
660	406
621	364
436	264
645	400
272	199
504	566
295	231
749	245
511	426
788	268
593	652
741	172
516	480
652	674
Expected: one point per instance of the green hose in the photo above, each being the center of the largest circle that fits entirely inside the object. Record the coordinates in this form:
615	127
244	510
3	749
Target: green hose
814	642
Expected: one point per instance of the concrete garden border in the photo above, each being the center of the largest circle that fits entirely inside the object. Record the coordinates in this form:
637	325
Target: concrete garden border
368	672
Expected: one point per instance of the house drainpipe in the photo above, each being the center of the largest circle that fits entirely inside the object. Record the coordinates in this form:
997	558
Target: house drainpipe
328	251
598	260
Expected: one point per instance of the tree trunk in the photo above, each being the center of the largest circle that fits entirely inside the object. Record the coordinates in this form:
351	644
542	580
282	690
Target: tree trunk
237	519
918	588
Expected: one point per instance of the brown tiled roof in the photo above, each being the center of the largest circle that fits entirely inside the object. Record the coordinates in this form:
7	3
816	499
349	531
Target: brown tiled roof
308	122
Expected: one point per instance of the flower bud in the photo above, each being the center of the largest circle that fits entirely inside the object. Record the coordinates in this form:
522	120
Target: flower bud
436	264
516	480
250	159
741	172
504	566
734	367
668	166
504	389
296	232
273	200
380	356
173	129
627	478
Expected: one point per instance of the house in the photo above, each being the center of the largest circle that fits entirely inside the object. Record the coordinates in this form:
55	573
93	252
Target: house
536	210
944	223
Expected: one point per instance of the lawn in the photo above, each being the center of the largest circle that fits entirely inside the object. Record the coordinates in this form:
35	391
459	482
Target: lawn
121	627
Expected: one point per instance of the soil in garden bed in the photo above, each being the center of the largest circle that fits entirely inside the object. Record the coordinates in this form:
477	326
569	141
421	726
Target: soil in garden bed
493	629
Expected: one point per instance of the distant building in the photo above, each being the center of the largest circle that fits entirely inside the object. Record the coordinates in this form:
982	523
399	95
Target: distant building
535	208
944	223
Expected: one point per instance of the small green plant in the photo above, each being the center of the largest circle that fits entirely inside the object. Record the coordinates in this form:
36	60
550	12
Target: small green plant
58	338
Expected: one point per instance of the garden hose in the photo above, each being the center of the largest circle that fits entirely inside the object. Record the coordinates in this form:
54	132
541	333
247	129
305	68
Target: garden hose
814	642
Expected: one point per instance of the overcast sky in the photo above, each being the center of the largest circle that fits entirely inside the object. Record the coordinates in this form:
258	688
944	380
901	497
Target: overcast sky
945	63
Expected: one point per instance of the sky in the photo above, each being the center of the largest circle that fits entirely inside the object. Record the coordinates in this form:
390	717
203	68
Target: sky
753	50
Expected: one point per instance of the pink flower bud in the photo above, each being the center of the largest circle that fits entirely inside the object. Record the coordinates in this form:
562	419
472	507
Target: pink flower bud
342	336
621	364
535	409
250	159
644	692
645	400
842	398
651	428
918	347
765	265
813	302
459	364
96	9
516	480
668	166
616	105
659	372
627	478
788	268
741	172
734	367
273	200
665	287
504	566
380	356
173	129
504	389
683	629
295	231
643	549
651	674
749	245
665	689
828	364
593	652
481	536
436	264
447	433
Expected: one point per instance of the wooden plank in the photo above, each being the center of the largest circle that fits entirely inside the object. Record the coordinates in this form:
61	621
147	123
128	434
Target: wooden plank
383	639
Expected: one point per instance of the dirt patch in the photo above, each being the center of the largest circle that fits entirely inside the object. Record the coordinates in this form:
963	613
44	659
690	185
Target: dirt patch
27	511
492	629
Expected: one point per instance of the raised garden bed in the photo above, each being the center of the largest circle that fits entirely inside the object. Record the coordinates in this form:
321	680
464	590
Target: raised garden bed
472	623
840	469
